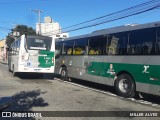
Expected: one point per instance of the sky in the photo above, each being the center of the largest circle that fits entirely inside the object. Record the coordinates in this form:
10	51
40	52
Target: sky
68	12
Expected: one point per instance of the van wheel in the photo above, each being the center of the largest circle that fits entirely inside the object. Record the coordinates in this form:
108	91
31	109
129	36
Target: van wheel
64	74
125	86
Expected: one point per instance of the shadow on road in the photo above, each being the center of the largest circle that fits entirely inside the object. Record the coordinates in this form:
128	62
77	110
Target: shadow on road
26	100
97	86
150	98
35	76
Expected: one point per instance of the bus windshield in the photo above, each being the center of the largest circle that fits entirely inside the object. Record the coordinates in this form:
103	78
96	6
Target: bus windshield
43	43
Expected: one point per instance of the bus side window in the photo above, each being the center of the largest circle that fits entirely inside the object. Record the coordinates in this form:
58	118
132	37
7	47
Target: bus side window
112	46
147	48
78	51
157	50
69	51
143	40
138	49
13	50
18	46
80	47
68	47
157	44
97	45
64	51
130	49
58	49
92	51
96	51
17	50
10	50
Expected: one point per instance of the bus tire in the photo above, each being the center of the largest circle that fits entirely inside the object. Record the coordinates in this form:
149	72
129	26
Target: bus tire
9	69
13	72
64	74
125	86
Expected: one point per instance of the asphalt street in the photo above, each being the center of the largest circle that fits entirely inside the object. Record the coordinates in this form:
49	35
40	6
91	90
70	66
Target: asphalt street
31	92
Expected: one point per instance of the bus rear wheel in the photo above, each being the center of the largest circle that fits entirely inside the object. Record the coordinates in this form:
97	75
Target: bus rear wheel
125	86
64	74
13	72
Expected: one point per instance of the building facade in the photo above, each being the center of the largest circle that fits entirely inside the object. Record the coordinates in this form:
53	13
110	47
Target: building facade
3	51
50	28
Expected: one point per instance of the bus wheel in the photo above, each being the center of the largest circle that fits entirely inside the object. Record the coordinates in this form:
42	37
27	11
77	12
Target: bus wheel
9	69
64	74
125	86
13	71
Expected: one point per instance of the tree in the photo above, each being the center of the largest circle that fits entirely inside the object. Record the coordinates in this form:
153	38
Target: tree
22	29
9	40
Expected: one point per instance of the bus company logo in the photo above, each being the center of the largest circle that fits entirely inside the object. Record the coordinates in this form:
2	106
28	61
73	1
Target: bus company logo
145	69
46	61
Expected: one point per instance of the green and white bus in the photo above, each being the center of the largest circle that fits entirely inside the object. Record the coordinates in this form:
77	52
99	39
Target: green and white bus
32	54
126	57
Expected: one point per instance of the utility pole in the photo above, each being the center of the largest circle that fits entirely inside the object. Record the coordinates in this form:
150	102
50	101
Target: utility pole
39	19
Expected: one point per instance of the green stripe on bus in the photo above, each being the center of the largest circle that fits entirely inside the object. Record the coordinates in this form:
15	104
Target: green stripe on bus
141	73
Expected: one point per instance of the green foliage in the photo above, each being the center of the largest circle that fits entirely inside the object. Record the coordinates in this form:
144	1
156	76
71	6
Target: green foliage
22	29
9	40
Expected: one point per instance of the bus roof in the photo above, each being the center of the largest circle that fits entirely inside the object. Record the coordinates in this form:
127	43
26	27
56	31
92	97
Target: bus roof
124	28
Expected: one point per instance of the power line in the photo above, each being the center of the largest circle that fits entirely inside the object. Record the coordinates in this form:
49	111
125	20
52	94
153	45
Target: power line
135	10
110	20
131	8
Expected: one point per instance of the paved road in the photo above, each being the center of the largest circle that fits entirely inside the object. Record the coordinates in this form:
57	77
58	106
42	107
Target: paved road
32	93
